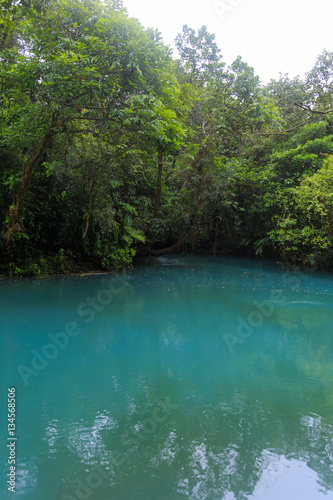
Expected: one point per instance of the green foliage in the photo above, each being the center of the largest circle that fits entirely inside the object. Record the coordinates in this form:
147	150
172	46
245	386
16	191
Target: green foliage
306	228
117	258
320	80
200	57
303	159
110	147
59	263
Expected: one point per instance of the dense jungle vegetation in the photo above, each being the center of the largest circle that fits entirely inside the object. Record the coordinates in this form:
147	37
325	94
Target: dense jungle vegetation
111	147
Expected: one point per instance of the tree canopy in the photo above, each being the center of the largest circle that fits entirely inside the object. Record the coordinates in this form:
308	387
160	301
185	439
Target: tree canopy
112	146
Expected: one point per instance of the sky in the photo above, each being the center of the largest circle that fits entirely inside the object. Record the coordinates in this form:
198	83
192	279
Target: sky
272	36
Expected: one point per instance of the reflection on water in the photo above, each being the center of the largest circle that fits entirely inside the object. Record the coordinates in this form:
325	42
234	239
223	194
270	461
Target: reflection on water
148	402
292	479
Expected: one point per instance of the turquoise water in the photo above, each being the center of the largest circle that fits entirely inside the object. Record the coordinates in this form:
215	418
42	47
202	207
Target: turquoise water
210	379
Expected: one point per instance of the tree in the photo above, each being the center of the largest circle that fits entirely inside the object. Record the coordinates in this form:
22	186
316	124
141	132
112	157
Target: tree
85	64
200	57
304	232
320	80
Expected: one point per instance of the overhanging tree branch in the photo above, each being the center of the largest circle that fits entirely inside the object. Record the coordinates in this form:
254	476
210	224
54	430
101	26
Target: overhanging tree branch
313	119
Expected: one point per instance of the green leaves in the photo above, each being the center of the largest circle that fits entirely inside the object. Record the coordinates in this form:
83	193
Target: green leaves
104	125
306	226
200	58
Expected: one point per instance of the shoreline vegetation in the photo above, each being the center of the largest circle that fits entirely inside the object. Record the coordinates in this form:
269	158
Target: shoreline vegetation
114	147
87	270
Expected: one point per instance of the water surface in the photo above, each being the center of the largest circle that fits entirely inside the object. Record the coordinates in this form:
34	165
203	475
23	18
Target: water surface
205	379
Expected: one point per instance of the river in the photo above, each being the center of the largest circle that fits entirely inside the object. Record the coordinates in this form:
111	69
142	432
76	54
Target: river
205	378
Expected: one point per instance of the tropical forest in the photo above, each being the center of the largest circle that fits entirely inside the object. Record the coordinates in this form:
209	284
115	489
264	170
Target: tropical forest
114	146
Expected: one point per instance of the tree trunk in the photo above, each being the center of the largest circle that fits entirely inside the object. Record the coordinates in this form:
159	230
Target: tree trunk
90	187
147	251
159	184
15	223
195	214
173	248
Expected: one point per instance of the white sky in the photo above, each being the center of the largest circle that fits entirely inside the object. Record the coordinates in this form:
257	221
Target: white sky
273	36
